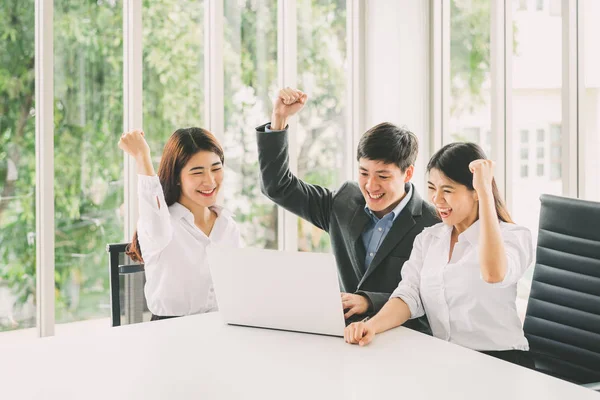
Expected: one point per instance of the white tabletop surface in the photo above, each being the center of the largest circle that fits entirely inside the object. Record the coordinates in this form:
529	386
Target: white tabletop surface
199	357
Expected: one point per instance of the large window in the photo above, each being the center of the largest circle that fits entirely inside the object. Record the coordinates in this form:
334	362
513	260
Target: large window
173	69
590	107
17	166
536	100
536	110
470	114
322	129
88	114
250	61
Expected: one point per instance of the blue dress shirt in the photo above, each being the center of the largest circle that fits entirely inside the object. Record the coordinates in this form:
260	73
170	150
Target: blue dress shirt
377	229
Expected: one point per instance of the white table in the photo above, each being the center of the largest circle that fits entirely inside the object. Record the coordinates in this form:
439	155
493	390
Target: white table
199	357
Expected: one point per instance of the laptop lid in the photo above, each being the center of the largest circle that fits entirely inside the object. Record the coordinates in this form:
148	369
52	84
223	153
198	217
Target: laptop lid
276	289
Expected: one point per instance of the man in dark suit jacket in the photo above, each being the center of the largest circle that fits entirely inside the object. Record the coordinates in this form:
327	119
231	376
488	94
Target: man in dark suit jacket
372	224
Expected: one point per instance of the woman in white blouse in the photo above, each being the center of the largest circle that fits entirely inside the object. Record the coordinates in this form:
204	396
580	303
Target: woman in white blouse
179	219
463	272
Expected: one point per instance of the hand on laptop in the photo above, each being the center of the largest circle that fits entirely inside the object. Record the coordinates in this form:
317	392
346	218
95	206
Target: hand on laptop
360	333
354	304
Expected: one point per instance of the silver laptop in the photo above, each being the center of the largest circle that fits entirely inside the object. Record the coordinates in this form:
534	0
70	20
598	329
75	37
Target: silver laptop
278	290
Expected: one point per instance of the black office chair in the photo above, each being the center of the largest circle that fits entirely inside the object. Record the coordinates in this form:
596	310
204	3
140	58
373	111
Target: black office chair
562	323
127	279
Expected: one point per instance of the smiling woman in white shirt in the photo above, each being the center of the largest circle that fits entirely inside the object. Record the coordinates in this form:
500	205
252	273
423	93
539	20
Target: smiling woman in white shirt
179	219
463	272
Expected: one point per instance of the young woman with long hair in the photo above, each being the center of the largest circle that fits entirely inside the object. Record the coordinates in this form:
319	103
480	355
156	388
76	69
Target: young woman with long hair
179	219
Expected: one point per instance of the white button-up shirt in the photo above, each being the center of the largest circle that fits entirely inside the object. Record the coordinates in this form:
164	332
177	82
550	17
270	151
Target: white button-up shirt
461	307
178	280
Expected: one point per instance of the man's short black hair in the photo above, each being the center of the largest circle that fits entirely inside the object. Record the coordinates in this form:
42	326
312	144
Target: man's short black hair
388	143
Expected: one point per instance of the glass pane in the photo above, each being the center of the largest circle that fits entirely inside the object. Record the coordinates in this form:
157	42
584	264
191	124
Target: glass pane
541	136
250	61
17	165
470	110
540	153
540	170
322	75
590	111
523	5
524	154
537	97
88	75
537	85
173	63
539	5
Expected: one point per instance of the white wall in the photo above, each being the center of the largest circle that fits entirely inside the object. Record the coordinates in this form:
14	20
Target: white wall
397	70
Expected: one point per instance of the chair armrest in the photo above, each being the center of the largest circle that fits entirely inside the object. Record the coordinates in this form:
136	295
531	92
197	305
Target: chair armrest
593	386
130	269
116	247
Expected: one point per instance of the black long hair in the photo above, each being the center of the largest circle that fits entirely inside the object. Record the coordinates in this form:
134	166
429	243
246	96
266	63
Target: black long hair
453	161
181	146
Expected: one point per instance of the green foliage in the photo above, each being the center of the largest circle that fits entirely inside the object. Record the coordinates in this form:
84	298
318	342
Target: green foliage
88	51
88	120
250	68
88	168
17	151
173	62
469	53
322	74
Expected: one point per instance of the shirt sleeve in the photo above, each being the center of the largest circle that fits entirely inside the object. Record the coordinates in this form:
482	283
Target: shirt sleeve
518	247
409	287
268	129
313	203
154	223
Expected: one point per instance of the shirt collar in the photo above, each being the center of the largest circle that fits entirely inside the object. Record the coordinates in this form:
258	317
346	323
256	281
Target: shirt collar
178	210
439	230
471	235
396	211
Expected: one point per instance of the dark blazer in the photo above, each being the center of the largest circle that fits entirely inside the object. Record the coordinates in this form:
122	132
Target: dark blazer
342	215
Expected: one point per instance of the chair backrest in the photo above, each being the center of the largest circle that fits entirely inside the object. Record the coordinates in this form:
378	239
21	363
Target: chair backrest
562	323
127	279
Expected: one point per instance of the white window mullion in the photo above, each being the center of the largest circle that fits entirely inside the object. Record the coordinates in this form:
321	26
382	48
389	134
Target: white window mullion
501	93
355	28
132	102
44	165
287	70
440	73
214	103
445	111
581	133
214	72
435	135
570	93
